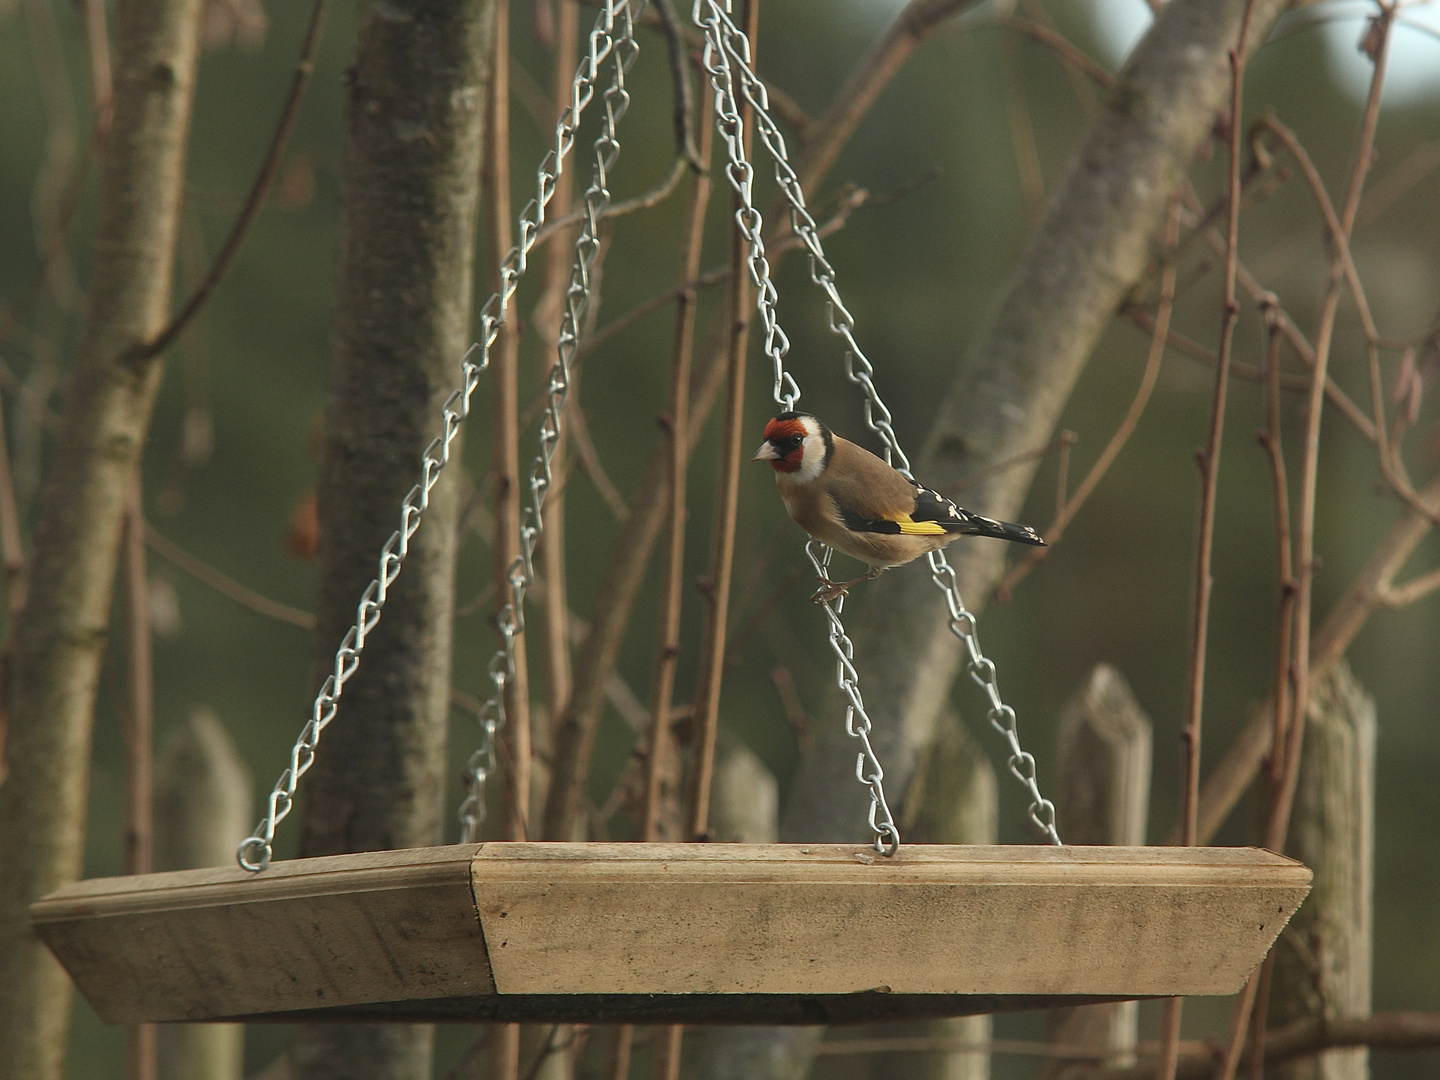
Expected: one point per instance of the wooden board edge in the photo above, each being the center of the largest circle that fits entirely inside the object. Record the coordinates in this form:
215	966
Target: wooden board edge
297	878
711	1010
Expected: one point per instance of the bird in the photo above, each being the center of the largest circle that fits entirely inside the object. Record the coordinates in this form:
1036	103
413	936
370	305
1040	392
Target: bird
846	497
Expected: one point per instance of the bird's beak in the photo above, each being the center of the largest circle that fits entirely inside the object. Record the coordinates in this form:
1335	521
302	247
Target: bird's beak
767	452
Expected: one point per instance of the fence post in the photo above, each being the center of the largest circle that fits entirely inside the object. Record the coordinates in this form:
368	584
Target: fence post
203	808
1102	797
1322	963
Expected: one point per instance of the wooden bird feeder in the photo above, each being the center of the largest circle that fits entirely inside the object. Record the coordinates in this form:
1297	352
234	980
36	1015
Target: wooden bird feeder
693	933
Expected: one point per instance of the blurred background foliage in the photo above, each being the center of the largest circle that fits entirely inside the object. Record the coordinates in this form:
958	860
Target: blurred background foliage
232	457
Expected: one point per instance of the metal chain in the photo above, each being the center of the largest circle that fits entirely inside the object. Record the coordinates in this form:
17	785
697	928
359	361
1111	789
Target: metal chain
729	41
741	174
723	42
857	720
511	621
256	851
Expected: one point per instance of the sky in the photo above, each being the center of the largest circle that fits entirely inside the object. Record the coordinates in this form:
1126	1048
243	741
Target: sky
1414	67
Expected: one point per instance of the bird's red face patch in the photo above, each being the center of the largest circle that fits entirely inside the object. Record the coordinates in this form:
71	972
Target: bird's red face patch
788	438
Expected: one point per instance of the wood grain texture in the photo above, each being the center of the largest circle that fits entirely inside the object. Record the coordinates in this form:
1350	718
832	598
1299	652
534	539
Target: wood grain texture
221	943
837	919
630	929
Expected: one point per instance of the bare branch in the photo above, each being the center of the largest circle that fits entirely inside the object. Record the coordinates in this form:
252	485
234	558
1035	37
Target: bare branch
1067	509
645	201
828	133
226	585
579	431
259	190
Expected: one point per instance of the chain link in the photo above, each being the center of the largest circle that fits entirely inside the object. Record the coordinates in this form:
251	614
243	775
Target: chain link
981	670
857	720
511	622
728	49
727	59
708	16
257	850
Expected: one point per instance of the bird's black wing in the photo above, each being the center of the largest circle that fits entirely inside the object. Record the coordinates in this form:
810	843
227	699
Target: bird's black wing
931	506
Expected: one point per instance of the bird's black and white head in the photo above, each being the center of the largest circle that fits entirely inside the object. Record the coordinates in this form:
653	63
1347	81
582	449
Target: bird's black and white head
797	445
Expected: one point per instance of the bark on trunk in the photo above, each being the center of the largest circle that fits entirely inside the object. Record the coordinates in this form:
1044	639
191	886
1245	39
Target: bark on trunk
410	192
59	638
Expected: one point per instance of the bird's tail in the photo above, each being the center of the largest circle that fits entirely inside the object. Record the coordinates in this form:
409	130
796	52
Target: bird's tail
975	525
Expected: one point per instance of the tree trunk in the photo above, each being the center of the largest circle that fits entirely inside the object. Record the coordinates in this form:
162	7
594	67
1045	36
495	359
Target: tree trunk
203	801
409	198
1322	967
1102	797
59	639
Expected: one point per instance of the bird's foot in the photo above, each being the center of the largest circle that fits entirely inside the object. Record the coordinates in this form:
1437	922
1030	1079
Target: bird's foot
831	590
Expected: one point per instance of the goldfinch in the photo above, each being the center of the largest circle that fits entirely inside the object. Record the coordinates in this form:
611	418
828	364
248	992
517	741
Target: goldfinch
846	497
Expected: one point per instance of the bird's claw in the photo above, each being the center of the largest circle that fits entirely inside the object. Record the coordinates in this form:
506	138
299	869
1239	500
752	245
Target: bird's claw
830	590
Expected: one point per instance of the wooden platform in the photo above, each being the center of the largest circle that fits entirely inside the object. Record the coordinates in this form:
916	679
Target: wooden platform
717	933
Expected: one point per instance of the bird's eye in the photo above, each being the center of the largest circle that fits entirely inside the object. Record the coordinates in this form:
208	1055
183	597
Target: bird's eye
794	441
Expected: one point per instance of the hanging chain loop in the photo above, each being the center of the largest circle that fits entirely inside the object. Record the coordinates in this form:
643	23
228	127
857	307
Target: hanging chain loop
727	59
857	720
741	175
257	850
727	50
605	39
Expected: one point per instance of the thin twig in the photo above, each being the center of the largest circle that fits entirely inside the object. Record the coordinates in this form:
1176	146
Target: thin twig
1304	1038
591	463
259	191
1071	56
1270	438
505	463
1339	235
828	133
1022	135
1278	825
1262	296
1251	373
1420	163
1209	463
1068	508
661	191
139	725
1230	778
722	555
662	766
684	98
940	1044
1416	589
224	584
1011	462
548	321
740	637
